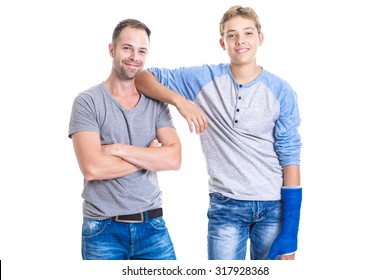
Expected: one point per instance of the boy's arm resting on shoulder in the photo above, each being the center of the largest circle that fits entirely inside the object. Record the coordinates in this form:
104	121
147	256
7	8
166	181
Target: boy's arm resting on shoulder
147	83
155	157
151	87
93	163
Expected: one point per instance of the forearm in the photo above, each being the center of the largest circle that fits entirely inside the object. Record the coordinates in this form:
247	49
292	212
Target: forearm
149	86
291	175
108	167
285	244
150	158
93	163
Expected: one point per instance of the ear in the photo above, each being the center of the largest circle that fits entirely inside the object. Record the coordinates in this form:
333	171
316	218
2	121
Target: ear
222	43
111	49
261	39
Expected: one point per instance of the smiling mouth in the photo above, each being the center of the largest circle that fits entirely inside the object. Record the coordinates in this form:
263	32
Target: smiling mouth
131	65
242	50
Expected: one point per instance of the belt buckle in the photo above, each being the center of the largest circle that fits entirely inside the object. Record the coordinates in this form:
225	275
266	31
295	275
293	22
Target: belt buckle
130	221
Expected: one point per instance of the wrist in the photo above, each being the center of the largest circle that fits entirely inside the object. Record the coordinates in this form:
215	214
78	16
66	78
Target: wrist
178	101
117	150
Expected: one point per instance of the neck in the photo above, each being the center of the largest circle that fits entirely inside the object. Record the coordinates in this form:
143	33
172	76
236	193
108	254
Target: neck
124	91
244	74
120	87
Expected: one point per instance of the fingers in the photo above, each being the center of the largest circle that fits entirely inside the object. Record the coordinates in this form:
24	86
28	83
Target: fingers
199	126
288	257
155	144
199	122
194	116
190	126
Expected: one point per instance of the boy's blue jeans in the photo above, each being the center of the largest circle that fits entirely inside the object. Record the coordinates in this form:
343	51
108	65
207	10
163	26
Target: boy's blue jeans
110	240
232	222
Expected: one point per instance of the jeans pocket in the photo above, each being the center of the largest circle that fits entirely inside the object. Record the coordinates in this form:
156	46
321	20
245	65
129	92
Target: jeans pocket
219	198
158	223
93	228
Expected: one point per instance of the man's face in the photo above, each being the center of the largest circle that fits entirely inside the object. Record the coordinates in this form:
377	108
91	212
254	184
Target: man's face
130	52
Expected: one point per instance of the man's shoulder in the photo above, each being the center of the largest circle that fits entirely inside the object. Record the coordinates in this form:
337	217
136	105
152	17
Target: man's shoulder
91	92
152	102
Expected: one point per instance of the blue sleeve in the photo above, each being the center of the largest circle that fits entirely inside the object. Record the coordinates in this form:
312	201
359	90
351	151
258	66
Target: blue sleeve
288	140
187	81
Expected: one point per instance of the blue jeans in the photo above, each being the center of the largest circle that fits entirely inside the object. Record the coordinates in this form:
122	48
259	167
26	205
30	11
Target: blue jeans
232	222
110	240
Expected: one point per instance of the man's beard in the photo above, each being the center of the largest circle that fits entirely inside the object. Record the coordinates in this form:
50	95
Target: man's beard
128	75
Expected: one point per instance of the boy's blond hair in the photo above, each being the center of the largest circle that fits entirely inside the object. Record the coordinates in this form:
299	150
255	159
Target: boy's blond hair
238	10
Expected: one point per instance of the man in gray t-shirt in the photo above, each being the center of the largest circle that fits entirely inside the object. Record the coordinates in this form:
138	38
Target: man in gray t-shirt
121	139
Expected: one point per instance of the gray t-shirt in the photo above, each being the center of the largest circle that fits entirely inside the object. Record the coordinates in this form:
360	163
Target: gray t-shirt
96	110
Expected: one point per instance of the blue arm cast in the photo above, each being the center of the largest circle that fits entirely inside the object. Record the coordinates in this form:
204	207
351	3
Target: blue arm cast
287	240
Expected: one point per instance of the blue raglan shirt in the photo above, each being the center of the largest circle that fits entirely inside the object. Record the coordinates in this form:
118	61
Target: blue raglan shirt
253	128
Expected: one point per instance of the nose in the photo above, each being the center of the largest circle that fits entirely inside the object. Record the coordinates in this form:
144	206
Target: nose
239	40
132	55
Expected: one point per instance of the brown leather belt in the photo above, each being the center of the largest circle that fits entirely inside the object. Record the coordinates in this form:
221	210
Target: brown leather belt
139	217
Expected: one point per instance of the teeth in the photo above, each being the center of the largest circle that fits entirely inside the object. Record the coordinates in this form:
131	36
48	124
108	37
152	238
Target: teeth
241	50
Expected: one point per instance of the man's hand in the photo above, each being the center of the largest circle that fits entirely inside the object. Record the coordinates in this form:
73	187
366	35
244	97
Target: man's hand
155	144
194	115
110	149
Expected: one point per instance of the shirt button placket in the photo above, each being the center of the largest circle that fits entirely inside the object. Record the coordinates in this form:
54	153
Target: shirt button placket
239	97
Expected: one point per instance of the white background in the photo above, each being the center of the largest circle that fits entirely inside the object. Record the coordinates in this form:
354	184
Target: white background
334	53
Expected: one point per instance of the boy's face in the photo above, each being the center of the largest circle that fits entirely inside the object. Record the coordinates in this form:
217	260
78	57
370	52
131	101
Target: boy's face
241	39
